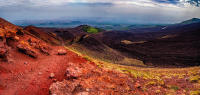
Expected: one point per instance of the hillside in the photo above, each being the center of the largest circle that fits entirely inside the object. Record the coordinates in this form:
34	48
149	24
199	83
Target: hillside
172	46
29	65
32	64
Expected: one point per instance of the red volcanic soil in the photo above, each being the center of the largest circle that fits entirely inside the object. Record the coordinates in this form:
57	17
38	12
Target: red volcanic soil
27	76
29	65
26	62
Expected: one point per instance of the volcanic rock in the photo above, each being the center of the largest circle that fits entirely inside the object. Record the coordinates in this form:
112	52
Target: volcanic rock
73	72
52	75
62	52
44	49
3	53
25	63
2	33
63	88
27	50
3	50
16	38
39	45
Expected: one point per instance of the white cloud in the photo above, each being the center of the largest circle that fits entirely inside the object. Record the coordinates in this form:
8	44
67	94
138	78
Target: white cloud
131	10
148	3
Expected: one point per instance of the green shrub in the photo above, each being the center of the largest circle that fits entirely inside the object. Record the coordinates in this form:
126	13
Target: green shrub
90	29
195	79
175	87
195	92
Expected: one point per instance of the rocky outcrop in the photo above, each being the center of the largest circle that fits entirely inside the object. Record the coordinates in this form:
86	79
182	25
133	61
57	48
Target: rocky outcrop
25	41
8	35
88	79
9	30
43	48
3	51
31	47
24	48
45	36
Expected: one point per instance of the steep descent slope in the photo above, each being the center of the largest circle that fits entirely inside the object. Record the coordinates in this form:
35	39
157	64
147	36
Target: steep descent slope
88	44
48	37
175	46
170	46
28	65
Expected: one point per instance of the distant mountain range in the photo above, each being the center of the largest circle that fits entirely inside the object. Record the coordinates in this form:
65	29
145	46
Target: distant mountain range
193	20
75	23
175	45
99	24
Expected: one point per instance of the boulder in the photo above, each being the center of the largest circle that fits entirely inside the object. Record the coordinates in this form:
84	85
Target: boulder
62	52
10	34
2	33
44	49
3	50
16	38
73	72
64	88
20	32
27	50
39	45
3	53
52	75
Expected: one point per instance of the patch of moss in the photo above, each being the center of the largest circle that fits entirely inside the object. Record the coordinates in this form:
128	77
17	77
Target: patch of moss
174	87
150	83
86	58
90	29
194	79
195	92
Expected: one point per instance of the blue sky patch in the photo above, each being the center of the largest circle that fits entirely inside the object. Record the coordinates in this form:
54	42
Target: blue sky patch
167	1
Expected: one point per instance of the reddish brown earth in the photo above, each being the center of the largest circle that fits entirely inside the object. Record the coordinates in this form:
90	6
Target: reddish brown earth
29	65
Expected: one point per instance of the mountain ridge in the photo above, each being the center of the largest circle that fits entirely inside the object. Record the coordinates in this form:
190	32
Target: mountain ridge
31	64
190	21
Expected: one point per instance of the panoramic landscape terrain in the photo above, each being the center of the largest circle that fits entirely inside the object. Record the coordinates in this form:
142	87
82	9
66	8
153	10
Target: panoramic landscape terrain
85	47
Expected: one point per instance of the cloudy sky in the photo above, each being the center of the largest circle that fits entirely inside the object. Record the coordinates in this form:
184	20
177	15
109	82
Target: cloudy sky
121	11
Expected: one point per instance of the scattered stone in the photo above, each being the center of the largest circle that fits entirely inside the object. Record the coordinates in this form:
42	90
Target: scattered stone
44	49
73	72
20	32
16	38
10	61
54	80
25	63
40	73
32	40
62	52
10	34
87	89
82	93
3	52
2	32
52	75
63	88
137	84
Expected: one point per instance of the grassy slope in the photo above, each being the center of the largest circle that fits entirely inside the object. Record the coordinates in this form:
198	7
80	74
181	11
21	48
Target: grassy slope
90	29
109	55
157	77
